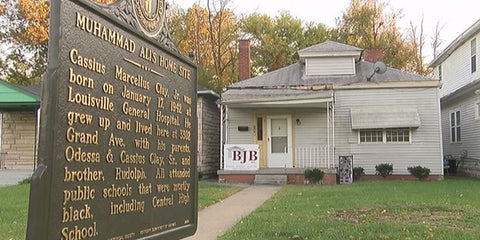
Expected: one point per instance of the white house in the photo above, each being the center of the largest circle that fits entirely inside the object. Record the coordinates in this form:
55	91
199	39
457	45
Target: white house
458	69
328	105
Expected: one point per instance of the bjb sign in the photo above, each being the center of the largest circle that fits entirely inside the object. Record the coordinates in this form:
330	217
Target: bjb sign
241	157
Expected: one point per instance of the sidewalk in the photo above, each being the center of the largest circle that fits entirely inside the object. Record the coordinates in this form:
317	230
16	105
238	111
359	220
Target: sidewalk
13	177
215	220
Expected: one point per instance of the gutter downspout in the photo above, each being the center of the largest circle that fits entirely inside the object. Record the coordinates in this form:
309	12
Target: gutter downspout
440	129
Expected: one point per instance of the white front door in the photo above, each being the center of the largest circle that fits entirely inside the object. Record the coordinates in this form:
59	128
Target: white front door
279	129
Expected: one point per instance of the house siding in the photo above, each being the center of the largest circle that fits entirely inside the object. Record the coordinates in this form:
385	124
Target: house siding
313	128
236	118
456	69
470	133
18	140
208	137
425	146
330	66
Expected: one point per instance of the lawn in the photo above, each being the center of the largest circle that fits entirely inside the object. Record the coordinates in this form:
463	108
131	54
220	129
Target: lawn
14	206
447	209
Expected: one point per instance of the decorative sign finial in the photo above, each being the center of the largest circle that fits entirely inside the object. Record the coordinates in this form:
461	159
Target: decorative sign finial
150	15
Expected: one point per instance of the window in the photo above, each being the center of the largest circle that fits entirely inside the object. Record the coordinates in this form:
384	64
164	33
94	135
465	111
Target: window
371	136
455	128
389	135
259	129
398	135
473	54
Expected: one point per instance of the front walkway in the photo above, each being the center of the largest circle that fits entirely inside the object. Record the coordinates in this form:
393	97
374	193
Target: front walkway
215	220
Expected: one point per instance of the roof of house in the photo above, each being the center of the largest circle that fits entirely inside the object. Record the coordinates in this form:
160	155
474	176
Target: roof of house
205	92
293	75
459	41
329	46
15	97
292	84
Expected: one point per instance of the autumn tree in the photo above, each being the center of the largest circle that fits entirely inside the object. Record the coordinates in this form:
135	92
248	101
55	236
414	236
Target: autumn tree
276	41
210	33
24	32
366	23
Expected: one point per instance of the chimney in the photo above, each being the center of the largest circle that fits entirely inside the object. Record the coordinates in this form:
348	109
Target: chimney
373	54
244	59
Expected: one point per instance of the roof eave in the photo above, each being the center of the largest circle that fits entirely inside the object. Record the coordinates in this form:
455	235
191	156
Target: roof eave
465	36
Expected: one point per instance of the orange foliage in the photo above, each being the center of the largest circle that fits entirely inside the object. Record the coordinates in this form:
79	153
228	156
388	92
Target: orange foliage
35	12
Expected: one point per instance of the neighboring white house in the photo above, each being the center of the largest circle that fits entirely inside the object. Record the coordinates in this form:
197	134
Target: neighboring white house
308	114
458	68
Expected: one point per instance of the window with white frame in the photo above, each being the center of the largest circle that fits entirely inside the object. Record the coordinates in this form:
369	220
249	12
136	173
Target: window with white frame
371	136
388	135
398	135
455	127
473	55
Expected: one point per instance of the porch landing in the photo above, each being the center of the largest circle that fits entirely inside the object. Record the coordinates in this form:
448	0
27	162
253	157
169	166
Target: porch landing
276	176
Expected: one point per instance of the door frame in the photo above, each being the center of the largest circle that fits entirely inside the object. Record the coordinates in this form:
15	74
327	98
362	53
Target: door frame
289	155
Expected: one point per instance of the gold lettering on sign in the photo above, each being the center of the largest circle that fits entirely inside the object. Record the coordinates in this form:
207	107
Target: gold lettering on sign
117	191
88	63
71	214
78	233
82	118
98	30
167	63
81	137
184	72
124	125
81	193
80	80
130	174
123	207
136	97
165	201
127	158
102	103
85	175
135	112
177	173
148	54
144	189
134	80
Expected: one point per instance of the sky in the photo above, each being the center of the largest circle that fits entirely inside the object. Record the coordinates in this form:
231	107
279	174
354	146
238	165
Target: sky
455	16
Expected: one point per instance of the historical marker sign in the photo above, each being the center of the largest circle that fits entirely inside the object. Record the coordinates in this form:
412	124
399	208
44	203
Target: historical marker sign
117	150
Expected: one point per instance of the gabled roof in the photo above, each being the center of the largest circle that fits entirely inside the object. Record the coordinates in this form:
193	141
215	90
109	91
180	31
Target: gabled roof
14	97
330	48
459	41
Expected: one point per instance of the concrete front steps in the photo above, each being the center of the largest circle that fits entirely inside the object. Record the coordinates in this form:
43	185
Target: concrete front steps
271	179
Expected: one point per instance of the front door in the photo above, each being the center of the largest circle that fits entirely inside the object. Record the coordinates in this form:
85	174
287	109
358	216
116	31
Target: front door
279	140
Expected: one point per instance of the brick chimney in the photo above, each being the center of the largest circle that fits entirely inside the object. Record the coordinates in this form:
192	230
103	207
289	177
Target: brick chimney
244	67
373	54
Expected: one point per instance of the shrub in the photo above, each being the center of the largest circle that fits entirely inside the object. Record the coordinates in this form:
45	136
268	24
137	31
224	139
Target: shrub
384	169
419	172
25	181
314	176
358	172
